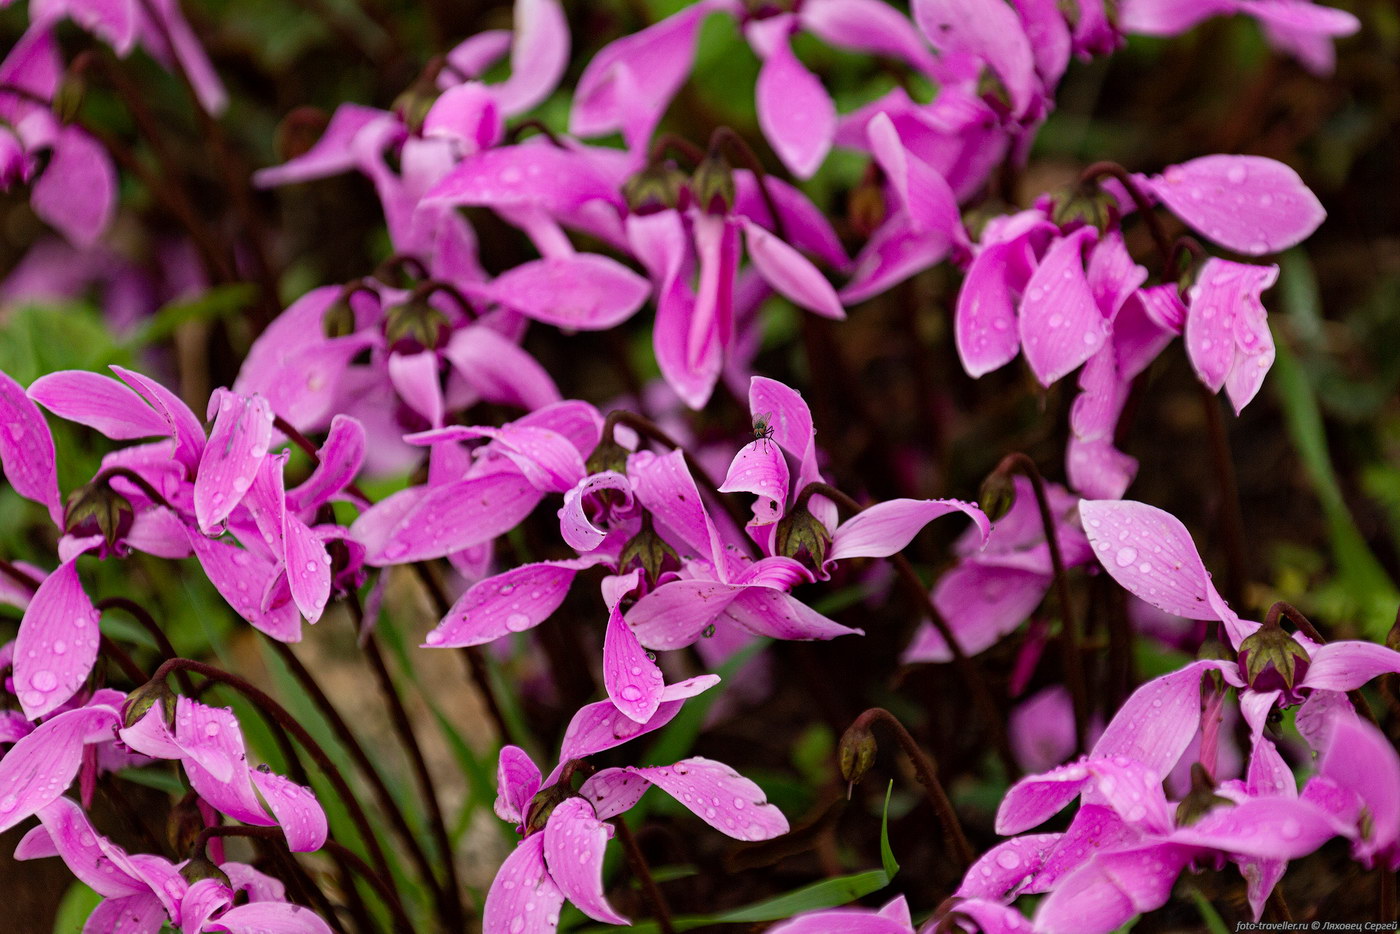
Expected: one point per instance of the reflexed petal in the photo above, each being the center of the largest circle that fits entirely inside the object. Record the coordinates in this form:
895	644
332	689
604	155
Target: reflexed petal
577	529
999	872
184	427
415	377
630	675
39	768
778	615
613	791
794	111
237	445
77	192
26	449
1110	889
270	918
791	274
332	153
1250	204
418	524
760	468
73	838
989	30
57	643
537	57
1361	760
298	812
985	321
1345	666
583	292
1150	553
574	839
337	462
719	796
132	914
99	402
517	780
241	575
499	370
1061	325
885	528
523	899
673	615
1156	723
513	601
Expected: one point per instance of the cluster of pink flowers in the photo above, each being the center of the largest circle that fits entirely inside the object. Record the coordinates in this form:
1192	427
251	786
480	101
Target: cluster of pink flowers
387	372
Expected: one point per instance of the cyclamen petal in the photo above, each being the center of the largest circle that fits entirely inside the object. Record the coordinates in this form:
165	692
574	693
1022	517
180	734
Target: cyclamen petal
182	424
517	780
338	461
923	193
1156	723
985	320
523	899
1249	204
204	899
1061	325
513	601
613	791
600	726
760	468
578	531
417	524
499	370
886	528
239	575
1344	666
270	918
296	809
415	378
764	611
574	839
1149	552
719	796
1269	828
583	292
98	402
672	616
132	914
57	643
1110	889
1362	761
538	56
40	767
96	863
630	675
791	274
794	111
997	876
991	31
77	193
237	445
26	449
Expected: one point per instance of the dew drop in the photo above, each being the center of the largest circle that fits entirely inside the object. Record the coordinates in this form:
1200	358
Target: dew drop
631	693
517	622
43	680
1125	556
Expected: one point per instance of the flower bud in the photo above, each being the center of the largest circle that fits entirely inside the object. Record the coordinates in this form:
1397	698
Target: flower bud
68	98
201	867
607	456
998	495
799	531
1271	660
543	804
648	551
416	325
339	319
98	509
656	188
856	752
1392	638
712	185
1087	205
1201	800
184	824
140	701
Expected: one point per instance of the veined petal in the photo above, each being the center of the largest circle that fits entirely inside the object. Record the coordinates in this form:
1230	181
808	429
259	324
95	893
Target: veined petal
984	323
574	839
613	791
26	449
237	445
778	615
1249	204
537	56
39	768
216	761
666	489
1149	552
631	677
575	526
760	468
338	461
719	796
673	615
76	841
270	918
98	402
523	899
794	111
512	601
1061	325
585	292
600	726
991	31
500	370
298	812
885	528
184	427
57	643
517	780
1156	723
791	274
443	519
240	575
1338	666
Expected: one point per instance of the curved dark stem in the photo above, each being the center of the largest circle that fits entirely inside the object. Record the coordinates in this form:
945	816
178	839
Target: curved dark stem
645	426
517	131
272	842
1017	462
309	448
670	142
1232	520
384	798
19	575
124	661
106	475
1154	224
927	771
476	665
388	270
642	871
290	724
137	612
725	137
1192	247
448	895
425	290
967	669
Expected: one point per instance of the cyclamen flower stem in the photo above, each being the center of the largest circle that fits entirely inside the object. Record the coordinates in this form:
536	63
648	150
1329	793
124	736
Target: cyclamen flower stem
123	660
967	669
388	271
670	142
725	138
271	841
958	848
1149	216
288	722
448	895
645	426
383	797
642	871
1018	462
1232	521
137	612
539	126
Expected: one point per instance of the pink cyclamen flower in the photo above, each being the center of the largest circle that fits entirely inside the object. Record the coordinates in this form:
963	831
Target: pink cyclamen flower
1296	27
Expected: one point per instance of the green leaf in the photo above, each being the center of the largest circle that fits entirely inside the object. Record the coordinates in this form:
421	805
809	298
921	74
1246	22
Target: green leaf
828	893
218	302
886	854
78	902
1213	922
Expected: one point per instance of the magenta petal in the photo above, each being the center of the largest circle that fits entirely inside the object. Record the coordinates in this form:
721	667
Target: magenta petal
236	448
83	851
989	30
99	402
77	193
1270	828
666	489
613	791
868	26
415	377
985	320
577	529
1149	552
443	519
40	767
270	918
791	274
332	153
132	914
513	601
57	643
924	193
1156	723
584	292
630	675
537	57
1000	871
523	899
499	370
338	461
517	780
574	839
885	528
719	796
204	899
600	726
1061	325
760	468
794	110
1110	889
184	427
845	920
1036	798
216	761
1361	760
778	615
240	575
296	809
982	603
673	615
1249	204
308	568
26	449
1336	666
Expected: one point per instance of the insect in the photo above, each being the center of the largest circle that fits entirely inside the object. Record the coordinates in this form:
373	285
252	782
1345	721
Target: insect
763	428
